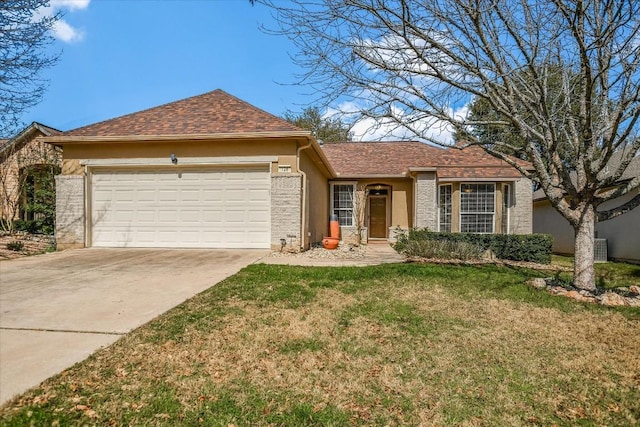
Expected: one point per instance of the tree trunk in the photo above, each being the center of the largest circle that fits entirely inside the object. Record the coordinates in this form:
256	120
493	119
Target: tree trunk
584	276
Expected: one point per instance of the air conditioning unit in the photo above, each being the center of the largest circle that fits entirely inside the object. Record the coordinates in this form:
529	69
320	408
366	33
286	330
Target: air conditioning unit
600	250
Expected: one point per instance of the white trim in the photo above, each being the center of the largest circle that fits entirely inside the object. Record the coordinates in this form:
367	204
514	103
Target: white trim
353	199
493	214
438	206
182	161
508	210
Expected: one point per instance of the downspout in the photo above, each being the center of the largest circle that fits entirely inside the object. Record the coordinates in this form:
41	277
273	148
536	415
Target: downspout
304	193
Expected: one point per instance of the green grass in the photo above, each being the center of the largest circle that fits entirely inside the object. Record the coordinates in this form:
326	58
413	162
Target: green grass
608	274
404	344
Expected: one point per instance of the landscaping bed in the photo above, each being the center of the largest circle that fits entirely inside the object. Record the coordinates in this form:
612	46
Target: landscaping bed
27	244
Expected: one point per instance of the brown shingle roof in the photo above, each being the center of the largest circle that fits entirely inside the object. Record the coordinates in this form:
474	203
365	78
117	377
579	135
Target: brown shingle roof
210	113
379	158
356	159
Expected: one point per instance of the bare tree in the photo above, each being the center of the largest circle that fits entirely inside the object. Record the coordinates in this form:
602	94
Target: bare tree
361	197
25	33
413	63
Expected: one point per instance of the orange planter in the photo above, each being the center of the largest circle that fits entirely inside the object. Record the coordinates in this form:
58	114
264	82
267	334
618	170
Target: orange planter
330	242
334	229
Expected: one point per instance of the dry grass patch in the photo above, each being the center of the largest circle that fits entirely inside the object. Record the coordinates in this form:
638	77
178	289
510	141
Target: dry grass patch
388	345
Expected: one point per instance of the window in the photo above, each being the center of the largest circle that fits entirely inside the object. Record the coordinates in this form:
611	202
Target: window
342	197
445	208
477	208
506	204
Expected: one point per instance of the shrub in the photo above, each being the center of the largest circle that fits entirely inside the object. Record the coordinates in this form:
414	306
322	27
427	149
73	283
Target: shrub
36	226
445	249
515	247
15	245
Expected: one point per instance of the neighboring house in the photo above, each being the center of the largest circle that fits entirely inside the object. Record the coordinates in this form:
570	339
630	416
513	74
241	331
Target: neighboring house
622	233
213	171
20	159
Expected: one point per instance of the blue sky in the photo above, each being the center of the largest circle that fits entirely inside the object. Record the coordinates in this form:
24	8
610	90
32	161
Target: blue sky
121	56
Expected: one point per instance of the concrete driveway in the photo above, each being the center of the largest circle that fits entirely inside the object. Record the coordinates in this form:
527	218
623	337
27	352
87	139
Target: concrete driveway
57	309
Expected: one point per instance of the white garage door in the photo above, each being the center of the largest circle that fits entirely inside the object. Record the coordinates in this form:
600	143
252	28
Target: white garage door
181	208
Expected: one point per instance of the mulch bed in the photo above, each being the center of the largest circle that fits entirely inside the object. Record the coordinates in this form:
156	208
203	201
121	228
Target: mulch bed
32	244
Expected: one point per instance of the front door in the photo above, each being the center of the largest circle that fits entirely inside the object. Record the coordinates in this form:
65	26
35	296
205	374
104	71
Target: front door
378	217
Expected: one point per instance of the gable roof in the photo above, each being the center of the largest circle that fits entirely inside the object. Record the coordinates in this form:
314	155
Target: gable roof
215	112
397	159
25	135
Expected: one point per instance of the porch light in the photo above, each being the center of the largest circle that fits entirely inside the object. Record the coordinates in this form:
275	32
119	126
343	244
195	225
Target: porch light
174	159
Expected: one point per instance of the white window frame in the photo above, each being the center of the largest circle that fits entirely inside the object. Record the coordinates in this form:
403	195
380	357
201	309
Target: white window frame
332	210
440	207
506	208
493	213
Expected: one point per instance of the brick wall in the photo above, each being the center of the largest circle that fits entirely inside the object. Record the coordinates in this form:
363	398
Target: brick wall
426	201
522	211
70	215
285	210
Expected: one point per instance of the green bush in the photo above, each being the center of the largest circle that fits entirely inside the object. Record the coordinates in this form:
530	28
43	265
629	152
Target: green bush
445	249
36	226
515	247
29	226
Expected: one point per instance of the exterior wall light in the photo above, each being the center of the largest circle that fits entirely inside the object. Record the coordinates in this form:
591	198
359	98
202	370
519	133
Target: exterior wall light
174	159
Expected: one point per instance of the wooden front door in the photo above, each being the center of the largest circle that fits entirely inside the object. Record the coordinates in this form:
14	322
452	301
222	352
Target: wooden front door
378	217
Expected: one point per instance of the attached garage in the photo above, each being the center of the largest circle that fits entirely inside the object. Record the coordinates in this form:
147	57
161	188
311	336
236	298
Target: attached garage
180	207
209	171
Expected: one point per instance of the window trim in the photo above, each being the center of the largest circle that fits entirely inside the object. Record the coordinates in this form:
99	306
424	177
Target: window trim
353	185
493	213
451	197
506	207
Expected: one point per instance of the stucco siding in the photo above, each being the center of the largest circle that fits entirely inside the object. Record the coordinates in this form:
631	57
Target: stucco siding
317	201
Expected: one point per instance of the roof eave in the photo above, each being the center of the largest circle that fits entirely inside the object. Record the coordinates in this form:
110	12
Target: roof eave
82	139
367	176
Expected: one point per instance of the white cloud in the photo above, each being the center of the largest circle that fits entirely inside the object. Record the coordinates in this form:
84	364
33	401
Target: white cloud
422	128
65	32
70	4
62	30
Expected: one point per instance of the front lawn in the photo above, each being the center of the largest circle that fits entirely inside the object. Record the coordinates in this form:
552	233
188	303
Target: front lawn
403	344
608	274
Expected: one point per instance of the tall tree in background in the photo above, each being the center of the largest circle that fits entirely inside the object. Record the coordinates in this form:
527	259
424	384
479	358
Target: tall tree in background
326	129
411	61
25	33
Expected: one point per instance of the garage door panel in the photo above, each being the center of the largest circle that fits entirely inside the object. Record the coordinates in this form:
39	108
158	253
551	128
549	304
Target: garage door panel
215	207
